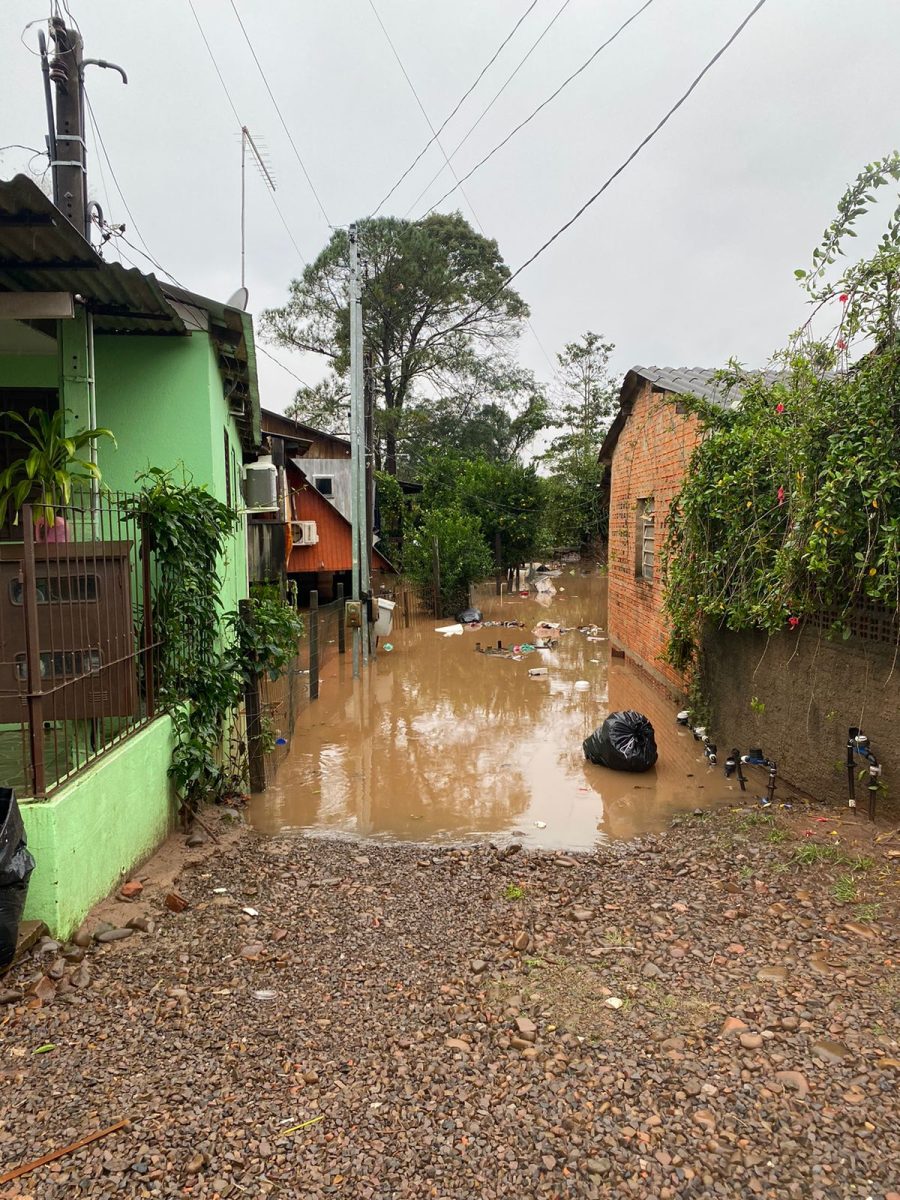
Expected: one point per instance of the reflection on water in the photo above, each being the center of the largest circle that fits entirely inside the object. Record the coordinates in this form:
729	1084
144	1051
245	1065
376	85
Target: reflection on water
438	742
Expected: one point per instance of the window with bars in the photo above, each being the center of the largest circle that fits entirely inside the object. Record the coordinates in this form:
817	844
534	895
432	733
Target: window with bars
645	538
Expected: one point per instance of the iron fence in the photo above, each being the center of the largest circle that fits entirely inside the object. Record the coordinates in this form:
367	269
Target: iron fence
78	658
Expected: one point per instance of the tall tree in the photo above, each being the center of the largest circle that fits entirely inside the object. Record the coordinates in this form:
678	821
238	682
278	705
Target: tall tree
586	400
436	313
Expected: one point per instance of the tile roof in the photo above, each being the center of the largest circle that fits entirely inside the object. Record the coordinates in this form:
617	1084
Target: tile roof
698	381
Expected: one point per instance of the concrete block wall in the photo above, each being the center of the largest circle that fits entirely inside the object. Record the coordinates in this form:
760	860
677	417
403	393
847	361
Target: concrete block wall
650	459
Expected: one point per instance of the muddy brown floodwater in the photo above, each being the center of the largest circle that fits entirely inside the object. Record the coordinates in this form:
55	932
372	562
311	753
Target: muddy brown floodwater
440	743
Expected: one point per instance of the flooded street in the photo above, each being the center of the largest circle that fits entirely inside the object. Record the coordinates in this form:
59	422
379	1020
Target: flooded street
440	743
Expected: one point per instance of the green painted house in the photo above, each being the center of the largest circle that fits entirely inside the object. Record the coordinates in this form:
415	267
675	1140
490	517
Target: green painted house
173	375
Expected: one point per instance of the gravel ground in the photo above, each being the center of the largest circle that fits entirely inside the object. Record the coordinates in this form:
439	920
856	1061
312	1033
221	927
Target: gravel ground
698	1014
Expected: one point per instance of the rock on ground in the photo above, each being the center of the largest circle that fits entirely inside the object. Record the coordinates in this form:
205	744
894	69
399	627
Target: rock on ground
387	1039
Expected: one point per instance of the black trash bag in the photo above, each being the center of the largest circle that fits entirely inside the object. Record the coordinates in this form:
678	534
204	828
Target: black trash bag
470	616
625	741
16	865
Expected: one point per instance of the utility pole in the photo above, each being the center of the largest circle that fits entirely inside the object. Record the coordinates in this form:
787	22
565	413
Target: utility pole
68	160
369	433
357	456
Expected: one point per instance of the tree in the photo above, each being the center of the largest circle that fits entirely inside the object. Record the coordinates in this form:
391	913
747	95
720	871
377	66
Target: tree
507	499
587	399
493	414
463	555
436	312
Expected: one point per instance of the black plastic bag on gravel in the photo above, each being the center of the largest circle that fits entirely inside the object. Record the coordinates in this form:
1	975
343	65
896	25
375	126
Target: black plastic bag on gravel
625	741
16	865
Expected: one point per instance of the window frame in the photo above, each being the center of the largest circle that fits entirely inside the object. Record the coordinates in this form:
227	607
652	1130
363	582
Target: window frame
645	539
316	480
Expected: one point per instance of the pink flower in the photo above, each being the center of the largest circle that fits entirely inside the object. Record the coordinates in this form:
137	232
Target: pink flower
793	622
779	408
843	298
841	344
781	495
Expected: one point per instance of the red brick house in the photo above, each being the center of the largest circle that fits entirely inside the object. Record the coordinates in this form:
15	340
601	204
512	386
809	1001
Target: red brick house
648	450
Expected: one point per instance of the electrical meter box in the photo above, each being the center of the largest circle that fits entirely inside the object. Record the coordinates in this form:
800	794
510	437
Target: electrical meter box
354	611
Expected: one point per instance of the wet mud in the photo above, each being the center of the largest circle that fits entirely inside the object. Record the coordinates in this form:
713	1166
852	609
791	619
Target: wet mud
439	742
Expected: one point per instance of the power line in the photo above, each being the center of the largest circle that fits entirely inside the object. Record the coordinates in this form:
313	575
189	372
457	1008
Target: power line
422	107
618	171
215	64
565	83
237	117
559	12
436	138
99	137
279	363
284	126
459	105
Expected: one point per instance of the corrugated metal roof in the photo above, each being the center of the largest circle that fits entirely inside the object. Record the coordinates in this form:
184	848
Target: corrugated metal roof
338	470
333	551
41	251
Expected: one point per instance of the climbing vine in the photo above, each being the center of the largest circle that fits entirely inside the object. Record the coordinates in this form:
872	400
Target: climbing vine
206	658
791	505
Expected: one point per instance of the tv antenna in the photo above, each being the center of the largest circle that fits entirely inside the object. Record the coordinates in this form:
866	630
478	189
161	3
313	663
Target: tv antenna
262	166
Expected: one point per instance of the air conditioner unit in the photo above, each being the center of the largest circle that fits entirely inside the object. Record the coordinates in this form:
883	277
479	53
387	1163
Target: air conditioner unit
304	533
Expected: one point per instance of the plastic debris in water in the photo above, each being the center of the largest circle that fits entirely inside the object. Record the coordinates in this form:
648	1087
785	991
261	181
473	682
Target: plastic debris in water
388	647
540	824
281	741
582	685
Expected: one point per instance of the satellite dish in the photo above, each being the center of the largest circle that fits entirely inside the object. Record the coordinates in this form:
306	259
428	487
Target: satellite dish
240	299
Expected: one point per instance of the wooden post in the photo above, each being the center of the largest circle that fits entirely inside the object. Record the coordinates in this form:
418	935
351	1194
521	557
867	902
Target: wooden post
256	758
313	645
498	560
342	630
436	578
405	595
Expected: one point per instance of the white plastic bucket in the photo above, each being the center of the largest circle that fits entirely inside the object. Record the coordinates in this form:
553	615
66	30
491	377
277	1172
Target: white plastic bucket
385	621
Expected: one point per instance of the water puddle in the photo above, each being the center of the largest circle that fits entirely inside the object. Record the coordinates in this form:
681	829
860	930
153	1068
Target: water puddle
440	743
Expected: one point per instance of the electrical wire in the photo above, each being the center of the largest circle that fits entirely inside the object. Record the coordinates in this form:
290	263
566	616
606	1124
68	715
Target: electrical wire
618	171
262	350
559	12
423	110
237	117
19	146
443	151
312	186
99	137
458	106
565	83
215	64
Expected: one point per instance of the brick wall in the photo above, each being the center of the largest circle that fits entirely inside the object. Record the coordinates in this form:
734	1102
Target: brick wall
650	460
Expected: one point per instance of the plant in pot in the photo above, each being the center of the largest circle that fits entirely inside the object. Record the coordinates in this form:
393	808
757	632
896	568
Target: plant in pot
48	469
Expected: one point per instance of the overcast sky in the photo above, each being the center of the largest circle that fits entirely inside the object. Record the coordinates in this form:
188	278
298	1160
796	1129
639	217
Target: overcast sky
688	259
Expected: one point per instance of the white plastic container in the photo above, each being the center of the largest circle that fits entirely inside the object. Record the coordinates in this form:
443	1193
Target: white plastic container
582	685
385	621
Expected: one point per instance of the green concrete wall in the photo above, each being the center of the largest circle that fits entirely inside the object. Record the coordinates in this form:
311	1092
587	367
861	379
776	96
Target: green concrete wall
97	828
162	398
27	370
